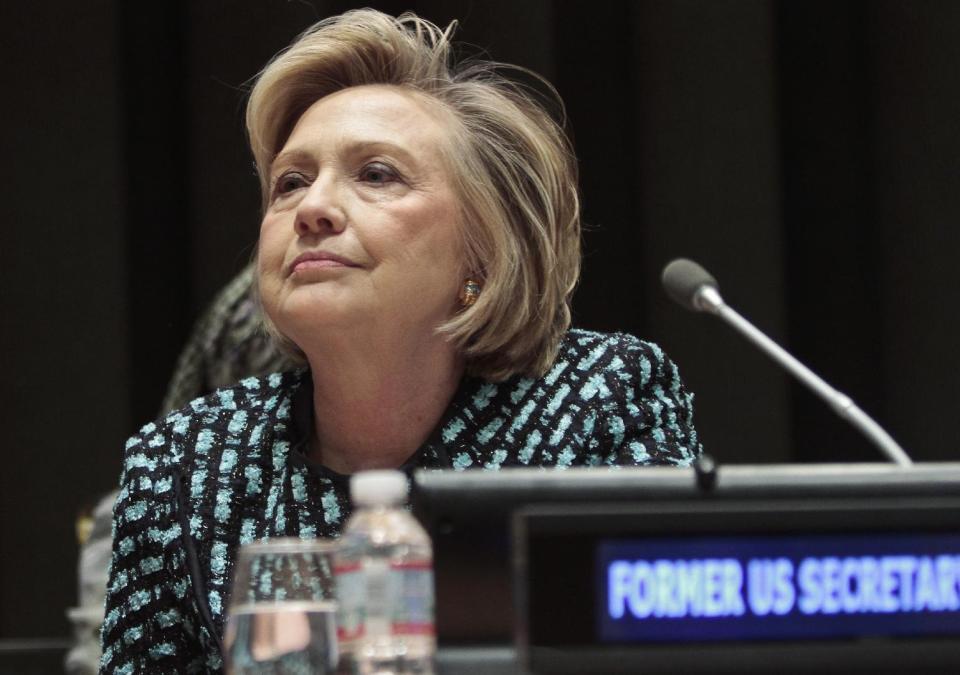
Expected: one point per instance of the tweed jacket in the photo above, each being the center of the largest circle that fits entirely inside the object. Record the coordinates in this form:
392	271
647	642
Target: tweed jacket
229	468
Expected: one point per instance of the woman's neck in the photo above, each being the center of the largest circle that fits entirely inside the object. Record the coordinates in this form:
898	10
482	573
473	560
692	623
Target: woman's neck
376	402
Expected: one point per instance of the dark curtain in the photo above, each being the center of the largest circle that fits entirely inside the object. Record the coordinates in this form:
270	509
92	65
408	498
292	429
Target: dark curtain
805	152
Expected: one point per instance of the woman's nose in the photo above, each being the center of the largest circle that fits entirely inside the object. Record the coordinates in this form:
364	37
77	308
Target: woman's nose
319	210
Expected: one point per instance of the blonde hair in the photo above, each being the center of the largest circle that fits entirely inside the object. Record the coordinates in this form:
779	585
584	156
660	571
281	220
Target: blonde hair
512	167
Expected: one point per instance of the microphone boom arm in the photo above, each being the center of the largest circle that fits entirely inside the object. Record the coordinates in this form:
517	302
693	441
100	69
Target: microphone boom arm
708	299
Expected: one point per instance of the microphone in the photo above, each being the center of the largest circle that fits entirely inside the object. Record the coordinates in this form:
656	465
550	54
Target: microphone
693	287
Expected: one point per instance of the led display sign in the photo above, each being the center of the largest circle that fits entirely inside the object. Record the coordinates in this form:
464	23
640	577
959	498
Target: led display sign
778	587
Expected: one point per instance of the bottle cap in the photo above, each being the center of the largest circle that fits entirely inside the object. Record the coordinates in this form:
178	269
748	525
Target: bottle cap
378	488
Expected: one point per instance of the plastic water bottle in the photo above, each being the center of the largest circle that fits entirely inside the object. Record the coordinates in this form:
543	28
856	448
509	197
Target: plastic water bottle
384	573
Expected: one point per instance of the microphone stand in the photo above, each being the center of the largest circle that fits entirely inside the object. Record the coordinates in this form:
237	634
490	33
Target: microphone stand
708	299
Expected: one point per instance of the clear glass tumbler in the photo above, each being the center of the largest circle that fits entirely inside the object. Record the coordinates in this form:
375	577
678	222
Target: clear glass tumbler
282	618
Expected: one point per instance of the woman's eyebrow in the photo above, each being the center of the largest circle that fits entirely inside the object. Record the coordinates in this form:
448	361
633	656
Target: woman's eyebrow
363	146
351	147
289	157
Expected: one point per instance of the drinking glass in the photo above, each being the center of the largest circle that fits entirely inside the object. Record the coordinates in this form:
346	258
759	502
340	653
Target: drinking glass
283	611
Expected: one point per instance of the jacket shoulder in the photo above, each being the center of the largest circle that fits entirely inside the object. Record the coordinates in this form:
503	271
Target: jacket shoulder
240	413
617	356
647	408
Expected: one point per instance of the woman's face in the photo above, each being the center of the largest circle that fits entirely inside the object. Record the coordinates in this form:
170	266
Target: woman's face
362	228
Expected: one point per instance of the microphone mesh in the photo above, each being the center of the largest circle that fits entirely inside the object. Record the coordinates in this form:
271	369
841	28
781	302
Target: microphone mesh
682	278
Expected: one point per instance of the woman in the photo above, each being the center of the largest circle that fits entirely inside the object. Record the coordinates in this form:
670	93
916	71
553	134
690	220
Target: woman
419	245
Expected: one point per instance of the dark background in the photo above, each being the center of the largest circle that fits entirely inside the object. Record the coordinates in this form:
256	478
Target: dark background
805	152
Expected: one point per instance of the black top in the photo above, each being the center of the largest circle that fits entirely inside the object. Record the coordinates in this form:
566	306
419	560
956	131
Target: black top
229	468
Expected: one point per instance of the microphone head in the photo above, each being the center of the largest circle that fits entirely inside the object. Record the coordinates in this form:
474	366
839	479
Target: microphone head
683	278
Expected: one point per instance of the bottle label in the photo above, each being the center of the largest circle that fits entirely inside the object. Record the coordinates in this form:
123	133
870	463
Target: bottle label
350	601
380	598
413	611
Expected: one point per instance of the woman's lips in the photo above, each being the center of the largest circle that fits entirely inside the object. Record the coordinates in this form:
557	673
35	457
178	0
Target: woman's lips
319	260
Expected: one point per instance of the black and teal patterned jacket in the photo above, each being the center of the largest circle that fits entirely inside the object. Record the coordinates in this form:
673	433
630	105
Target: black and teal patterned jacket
228	468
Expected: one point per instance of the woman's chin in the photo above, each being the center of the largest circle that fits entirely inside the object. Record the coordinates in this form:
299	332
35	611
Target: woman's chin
315	316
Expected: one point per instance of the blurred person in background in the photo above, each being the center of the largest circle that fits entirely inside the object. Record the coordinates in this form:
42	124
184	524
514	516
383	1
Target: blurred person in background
227	344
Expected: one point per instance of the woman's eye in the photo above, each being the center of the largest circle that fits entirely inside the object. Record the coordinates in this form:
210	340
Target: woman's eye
289	182
378	174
